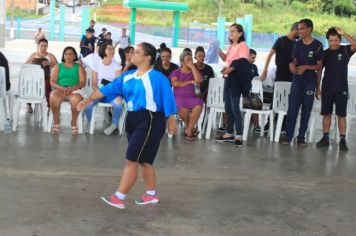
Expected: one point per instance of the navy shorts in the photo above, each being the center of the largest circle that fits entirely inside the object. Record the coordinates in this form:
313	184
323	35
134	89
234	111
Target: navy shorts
329	99
145	130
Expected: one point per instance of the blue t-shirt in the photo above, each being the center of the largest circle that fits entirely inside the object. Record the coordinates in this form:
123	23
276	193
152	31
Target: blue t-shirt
151	91
335	74
86	51
307	55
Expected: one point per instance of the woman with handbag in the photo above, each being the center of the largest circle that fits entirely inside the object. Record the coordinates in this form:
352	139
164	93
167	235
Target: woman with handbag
237	50
185	82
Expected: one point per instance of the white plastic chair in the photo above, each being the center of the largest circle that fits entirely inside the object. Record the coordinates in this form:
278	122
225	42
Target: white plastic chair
88	89
351	107
31	90
262	114
2	98
215	102
106	106
280	104
217	67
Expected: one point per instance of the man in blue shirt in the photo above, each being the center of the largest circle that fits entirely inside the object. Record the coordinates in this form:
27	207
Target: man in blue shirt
306	61
335	86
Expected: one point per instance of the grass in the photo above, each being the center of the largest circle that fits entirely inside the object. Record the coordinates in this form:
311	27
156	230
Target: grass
22	14
267	20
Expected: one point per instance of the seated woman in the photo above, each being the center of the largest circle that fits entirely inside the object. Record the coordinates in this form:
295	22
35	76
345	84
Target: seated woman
47	61
165	65
206	71
67	80
127	65
104	72
183	81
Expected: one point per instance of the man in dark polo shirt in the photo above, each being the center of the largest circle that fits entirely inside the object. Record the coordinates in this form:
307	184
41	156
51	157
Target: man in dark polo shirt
335	87
283	49
306	61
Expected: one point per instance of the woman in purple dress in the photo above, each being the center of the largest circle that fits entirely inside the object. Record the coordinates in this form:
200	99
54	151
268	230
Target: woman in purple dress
188	103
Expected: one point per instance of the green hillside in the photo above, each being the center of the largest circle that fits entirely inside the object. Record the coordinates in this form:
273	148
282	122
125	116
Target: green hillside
269	15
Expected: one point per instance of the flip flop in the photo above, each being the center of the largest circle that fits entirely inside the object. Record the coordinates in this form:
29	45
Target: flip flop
75	130
55	129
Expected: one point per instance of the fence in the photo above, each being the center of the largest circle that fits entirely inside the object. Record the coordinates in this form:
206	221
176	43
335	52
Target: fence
188	36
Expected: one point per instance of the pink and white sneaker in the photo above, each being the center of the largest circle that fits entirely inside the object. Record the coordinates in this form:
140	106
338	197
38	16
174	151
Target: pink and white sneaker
114	201
147	199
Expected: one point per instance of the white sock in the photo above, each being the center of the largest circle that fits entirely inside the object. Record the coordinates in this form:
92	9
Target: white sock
151	193
121	196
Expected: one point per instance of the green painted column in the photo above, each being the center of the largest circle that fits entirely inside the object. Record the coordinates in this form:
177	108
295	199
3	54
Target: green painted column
220	29
275	37
133	25
52	12
242	22
176	16
248	29
85	20
61	24
326	43
18	31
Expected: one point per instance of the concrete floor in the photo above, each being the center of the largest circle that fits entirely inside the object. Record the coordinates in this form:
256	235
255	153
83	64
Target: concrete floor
51	184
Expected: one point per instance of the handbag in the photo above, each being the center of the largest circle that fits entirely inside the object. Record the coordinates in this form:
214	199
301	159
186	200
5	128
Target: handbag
252	101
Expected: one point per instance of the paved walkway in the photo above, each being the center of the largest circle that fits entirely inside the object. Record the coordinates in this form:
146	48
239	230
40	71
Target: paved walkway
51	184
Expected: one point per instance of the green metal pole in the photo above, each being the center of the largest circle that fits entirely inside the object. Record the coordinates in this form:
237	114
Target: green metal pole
85	20
248	29
52	19
61	24
176	17
133	25
242	22
220	29
18	31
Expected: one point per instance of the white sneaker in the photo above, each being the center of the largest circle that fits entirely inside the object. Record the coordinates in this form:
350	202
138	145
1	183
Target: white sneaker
109	130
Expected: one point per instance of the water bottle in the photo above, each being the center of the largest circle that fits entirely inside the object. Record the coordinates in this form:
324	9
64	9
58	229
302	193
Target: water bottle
8	126
197	89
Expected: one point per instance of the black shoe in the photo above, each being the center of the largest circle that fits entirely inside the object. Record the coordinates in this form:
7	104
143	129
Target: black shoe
302	143
284	130
342	145
238	143
257	129
222	139
284	141
324	142
222	129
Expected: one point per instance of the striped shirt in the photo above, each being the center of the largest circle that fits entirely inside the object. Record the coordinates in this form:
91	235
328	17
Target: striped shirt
150	91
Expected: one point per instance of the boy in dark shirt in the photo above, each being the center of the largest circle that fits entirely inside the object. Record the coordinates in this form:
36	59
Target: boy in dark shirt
87	43
283	49
306	60
127	65
101	38
335	87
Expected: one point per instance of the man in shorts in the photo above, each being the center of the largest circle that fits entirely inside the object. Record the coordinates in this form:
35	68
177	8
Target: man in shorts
335	86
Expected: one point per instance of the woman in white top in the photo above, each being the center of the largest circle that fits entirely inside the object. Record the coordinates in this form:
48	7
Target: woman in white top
104	72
